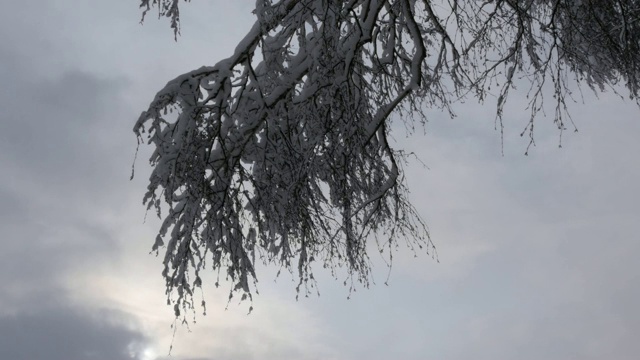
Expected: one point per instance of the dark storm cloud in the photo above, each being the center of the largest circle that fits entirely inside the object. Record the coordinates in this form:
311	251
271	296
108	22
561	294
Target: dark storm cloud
62	333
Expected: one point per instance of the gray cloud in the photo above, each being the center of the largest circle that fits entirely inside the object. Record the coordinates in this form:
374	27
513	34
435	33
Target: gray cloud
538	252
62	131
62	333
56	172
53	131
51	149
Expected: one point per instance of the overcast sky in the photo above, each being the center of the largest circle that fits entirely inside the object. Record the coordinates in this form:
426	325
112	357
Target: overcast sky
538	254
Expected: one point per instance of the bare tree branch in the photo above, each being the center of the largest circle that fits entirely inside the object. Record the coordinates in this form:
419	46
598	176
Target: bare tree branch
279	153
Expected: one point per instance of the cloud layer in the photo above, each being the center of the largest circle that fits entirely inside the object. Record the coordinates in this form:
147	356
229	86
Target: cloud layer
537	253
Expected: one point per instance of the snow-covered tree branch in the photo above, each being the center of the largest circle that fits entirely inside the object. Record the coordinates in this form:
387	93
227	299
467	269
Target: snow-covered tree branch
280	153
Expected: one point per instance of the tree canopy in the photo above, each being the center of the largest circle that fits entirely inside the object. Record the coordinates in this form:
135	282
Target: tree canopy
280	152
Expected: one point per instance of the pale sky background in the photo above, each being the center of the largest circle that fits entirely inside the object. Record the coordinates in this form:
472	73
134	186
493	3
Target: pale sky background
538	254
